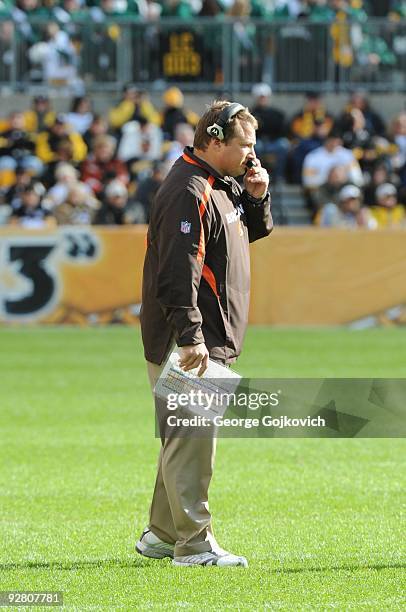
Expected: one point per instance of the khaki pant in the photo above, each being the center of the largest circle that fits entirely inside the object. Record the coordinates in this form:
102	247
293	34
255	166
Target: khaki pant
179	511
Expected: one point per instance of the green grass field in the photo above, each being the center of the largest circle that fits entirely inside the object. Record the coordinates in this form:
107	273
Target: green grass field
319	520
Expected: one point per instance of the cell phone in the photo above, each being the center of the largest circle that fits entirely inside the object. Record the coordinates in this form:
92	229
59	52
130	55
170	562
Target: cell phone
251	163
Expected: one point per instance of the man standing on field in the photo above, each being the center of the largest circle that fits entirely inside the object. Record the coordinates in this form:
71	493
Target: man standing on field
196	295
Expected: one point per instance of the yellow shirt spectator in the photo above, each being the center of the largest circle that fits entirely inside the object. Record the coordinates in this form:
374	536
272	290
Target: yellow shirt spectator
389	217
133	105
388	213
47	142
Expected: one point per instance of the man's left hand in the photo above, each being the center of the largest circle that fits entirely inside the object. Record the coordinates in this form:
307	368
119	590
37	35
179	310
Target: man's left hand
256	181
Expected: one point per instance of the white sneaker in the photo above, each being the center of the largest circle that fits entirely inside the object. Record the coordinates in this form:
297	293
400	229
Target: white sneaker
151	546
211	558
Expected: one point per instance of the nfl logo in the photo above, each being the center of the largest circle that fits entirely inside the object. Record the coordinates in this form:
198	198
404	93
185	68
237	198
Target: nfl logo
185	227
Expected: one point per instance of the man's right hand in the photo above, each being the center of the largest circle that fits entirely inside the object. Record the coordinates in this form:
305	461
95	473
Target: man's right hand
193	356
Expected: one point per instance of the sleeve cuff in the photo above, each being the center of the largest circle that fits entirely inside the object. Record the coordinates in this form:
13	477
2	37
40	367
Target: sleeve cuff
255	201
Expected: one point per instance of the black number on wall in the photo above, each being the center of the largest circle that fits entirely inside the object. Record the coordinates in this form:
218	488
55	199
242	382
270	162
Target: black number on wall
32	259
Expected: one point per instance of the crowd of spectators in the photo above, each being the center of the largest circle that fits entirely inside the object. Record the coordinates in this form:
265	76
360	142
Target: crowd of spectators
65	41
67	10
353	155
78	167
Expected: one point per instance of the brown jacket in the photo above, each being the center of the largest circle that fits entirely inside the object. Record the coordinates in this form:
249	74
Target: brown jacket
197	270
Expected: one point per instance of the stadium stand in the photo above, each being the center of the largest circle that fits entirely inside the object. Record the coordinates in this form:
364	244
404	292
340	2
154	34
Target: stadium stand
78	48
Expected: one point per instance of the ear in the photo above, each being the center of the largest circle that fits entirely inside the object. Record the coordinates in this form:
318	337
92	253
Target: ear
217	144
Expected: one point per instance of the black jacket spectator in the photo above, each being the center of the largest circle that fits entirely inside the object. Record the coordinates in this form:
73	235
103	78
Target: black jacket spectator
113	209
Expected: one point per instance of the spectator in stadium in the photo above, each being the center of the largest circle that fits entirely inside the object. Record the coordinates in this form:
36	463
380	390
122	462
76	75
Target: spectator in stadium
113	207
80	116
397	10
318	11
74	10
399	133
354	10
31	8
149	10
41	116
58	58
102	165
4	9
287	9
329	191
354	131
17	148
373	54
12	195
177	8
8	44
78	208
388	212
174	112
373	122
247	8
48	147
184	134
31	213
399	160
349	212
314	111
25	30
112	8
134	105
367	146
140	140
379	175
303	147
66	175
98	127
146	191
211	8
318	163
272	145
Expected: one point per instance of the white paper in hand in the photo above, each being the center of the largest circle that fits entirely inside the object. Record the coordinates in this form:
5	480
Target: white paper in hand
209	393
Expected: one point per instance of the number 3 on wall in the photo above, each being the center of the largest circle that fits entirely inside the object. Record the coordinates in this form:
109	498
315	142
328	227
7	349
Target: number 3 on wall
29	263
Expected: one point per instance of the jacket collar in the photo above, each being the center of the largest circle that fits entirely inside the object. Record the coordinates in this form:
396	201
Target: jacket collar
191	158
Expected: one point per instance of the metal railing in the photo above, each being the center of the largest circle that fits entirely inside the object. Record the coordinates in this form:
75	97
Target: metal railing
206	54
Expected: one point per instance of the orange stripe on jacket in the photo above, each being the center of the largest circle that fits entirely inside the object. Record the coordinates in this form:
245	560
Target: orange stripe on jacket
202	206
202	209
210	279
189	160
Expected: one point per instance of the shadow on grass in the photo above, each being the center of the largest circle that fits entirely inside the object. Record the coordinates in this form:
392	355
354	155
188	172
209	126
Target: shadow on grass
145	563
79	565
335	568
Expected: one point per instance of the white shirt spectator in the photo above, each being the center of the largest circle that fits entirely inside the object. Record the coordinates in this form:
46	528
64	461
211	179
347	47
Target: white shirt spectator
79	122
140	142
318	164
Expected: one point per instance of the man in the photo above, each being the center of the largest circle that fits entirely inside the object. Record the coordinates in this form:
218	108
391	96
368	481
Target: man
113	208
318	164
271	140
313	112
31	214
387	212
349	211
103	165
134	105
196	294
